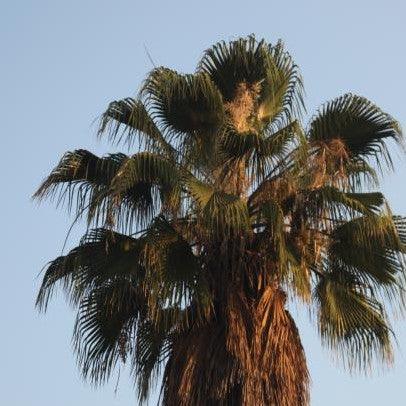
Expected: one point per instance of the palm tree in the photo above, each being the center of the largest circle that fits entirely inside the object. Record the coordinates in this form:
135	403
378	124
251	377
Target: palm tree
228	209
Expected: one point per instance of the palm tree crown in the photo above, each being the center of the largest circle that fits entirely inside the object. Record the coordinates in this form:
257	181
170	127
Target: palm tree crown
229	208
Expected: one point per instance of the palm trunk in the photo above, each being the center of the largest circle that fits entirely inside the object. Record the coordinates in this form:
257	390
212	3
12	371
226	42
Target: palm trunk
248	354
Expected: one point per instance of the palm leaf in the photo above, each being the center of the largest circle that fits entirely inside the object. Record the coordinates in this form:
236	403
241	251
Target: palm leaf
247	61
370	246
104	325
84	182
184	103
219	212
101	255
330	202
362	126
352	321
147	171
82	174
129	119
151	350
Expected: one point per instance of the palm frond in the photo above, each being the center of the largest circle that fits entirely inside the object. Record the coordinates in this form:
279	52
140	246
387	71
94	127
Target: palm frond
104	327
90	184
173	271
362	126
330	202
184	103
267	71
102	255
153	173
352	321
262	152
371	249
151	350
219	212
81	179
129	120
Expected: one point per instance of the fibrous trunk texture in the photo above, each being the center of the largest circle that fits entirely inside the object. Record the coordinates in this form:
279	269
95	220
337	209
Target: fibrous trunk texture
249	354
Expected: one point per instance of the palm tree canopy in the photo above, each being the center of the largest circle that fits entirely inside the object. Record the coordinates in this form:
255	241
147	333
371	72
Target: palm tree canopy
227	208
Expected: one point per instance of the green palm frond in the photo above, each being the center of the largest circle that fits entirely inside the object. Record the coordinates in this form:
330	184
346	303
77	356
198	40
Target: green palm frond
101	256
200	191
225	213
155	174
173	271
291	269
184	103
104	327
255	63
362	126
229	64
83	175
151	350
274	221
219	212
129	120
340	206
86	182
370	247
284	92
373	201
352	321
145	167
263	152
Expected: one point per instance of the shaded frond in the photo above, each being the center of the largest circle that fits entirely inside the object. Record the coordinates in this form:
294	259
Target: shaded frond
81	178
184	103
371	246
129	119
332	203
218	211
151	172
102	255
104	327
173	271
151	350
261	152
352	321
90	184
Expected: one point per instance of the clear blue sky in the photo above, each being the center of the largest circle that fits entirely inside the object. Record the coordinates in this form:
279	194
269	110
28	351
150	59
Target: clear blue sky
63	61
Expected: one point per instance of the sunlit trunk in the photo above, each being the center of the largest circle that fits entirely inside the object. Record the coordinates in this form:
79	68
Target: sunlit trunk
249	354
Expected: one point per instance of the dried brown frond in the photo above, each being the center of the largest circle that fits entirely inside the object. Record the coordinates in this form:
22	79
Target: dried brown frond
200	370
233	179
328	165
241	109
265	340
249	354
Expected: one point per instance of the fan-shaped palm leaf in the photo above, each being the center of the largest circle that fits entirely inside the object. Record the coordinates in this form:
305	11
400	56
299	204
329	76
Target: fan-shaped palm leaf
352	321
359	124
129	119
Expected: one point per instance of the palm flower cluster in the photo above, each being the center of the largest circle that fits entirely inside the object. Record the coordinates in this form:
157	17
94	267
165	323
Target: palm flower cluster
227	209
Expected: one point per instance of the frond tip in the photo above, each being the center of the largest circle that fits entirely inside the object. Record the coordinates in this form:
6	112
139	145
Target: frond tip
129	120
